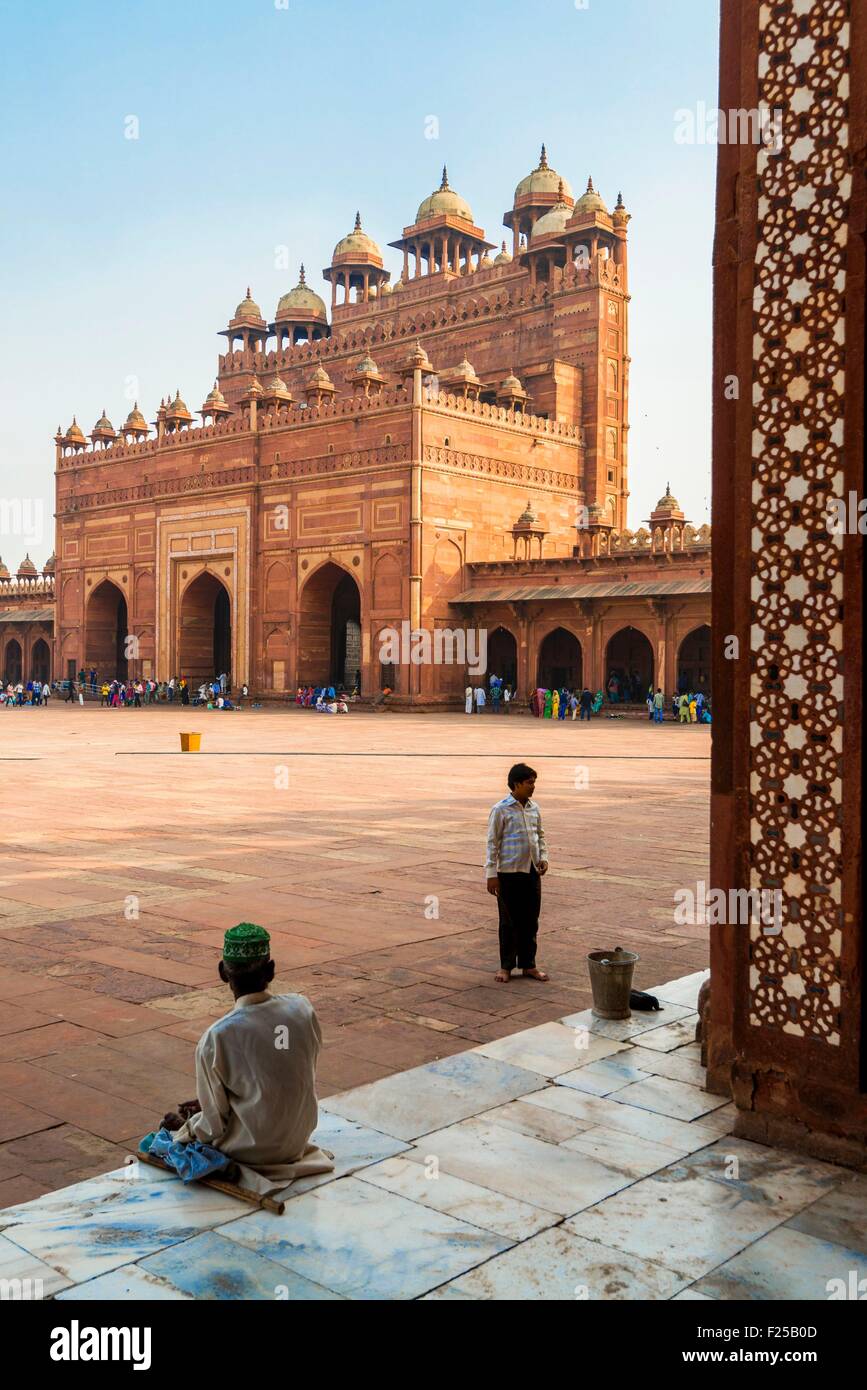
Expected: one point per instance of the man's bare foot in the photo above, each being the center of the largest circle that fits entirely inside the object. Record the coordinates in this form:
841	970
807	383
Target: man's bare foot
502	977
535	974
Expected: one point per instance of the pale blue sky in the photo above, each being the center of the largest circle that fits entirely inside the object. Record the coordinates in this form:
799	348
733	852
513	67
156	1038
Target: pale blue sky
265	126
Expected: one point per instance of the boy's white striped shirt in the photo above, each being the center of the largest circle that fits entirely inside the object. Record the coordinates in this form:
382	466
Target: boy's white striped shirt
516	840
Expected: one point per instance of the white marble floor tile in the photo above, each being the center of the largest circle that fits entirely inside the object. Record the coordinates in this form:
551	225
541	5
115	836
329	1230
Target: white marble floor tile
605	1077
106	1222
547	1175
840	1216
128	1282
560	1265
666	1097
412	1103
682	991
625	1029
688	1224
478	1206
788	1265
354	1146
38	1279
364	1243
210	1267
627	1153
93	1192
677	1135
786	1180
671	1035
680	1064
534	1120
549	1049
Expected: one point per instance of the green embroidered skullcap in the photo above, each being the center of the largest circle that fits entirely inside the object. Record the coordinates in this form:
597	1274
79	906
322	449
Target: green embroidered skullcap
246	944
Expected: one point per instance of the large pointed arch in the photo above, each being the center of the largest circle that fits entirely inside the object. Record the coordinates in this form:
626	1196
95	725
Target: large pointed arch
105	631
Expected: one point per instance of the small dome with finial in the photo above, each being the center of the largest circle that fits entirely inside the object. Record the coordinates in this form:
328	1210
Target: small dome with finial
358	246
444	202
667	503
50	564
590	202
75	430
135	420
27	569
503	257
545	180
178	409
419	358
4	572
319	377
277	390
527	518
620	216
248	308
301	303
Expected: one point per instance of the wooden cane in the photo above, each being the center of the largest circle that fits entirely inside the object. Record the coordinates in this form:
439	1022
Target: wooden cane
231	1189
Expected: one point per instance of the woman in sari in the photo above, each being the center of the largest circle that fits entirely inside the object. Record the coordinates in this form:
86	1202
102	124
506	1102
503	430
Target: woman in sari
548	705
555	705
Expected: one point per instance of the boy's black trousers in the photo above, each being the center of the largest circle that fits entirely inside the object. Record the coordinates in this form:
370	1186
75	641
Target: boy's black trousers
519	903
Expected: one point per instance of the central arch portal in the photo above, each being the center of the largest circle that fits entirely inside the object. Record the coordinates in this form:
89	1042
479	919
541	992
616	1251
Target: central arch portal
329	629
106	632
205	641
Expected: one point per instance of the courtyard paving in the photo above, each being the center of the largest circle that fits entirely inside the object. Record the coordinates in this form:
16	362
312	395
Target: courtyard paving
359	843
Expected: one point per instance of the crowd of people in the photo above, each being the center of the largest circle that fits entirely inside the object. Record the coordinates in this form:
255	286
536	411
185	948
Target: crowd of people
33	693
564	702
325	699
125	693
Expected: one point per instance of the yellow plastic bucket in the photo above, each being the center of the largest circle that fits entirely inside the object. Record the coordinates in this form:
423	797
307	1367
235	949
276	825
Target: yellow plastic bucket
191	743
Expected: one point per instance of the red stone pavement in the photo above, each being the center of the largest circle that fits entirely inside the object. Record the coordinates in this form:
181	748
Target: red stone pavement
120	871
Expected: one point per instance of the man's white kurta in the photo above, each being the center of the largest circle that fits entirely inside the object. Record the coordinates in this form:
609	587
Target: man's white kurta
256	1084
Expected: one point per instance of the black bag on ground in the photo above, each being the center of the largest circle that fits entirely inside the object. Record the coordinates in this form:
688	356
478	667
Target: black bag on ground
639	1000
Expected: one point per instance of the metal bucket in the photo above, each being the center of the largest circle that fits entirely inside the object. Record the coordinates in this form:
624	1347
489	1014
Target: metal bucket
611	981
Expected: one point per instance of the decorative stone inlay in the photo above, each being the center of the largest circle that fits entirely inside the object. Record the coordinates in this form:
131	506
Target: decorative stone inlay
796	654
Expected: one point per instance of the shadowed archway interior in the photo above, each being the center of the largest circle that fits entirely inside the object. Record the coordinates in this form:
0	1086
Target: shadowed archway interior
205	644
329	629
12	662
629	657
560	661
106	632
503	656
40	661
693	662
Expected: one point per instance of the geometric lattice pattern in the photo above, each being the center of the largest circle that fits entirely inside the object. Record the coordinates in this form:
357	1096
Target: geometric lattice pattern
796	694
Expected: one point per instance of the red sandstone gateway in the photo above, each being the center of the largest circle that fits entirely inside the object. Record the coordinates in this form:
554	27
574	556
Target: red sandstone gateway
449	450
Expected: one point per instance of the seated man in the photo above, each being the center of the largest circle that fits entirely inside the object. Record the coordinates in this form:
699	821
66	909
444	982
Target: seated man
256	1074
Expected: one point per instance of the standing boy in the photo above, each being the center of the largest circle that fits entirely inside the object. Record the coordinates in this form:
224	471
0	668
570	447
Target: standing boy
516	859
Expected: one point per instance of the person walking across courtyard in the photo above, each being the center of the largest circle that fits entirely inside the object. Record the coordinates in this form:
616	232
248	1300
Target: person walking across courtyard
515	863
658	706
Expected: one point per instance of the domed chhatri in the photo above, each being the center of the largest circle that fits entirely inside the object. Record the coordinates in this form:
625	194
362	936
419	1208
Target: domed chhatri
553	222
356	266
444	202
589	204
103	431
135	420
503	258
357	246
248	310
27	569
75	432
178	415
4	570
301	304
667	503
50	564
543	180
214	405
